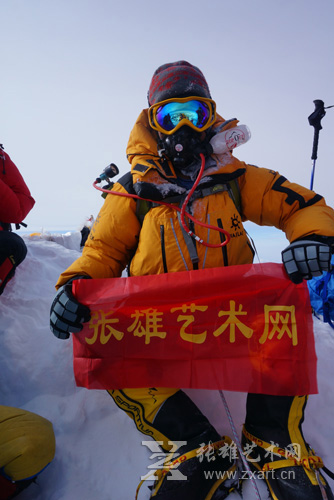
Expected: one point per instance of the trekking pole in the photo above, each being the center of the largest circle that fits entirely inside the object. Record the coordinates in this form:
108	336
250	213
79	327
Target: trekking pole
315	121
238	445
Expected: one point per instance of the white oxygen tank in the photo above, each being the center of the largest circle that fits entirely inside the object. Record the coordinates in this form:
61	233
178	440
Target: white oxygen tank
229	139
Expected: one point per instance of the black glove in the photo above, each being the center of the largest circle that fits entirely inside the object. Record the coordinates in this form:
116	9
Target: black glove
67	314
305	259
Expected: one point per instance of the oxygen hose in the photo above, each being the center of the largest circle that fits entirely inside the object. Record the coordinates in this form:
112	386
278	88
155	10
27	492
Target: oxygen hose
182	210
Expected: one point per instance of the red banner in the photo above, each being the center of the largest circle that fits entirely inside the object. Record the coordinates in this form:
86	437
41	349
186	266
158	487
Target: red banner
241	328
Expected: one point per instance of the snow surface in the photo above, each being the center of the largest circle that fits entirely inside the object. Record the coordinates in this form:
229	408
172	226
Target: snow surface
99	451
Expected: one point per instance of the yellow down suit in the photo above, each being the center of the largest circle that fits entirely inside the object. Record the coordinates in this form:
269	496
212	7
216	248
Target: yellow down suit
27	443
158	244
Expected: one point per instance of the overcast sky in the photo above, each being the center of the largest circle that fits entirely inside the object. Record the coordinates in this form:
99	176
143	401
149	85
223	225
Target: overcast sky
75	75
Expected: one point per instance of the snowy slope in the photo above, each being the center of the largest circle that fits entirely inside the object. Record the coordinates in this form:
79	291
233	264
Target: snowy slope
99	451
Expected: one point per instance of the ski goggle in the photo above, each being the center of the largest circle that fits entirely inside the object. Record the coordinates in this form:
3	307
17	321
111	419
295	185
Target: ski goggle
167	116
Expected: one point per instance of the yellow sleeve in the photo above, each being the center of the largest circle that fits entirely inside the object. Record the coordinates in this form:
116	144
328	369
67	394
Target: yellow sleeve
111	242
269	199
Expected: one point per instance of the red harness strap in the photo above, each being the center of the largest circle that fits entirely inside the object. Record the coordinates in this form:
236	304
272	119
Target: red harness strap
7	488
5	269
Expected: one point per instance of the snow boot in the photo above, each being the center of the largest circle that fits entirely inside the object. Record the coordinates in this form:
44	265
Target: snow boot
275	448
206	473
191	459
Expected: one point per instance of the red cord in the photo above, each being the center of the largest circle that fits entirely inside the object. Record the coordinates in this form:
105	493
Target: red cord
182	210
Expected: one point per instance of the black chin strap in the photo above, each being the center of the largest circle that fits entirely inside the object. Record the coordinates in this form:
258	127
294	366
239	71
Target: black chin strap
204	148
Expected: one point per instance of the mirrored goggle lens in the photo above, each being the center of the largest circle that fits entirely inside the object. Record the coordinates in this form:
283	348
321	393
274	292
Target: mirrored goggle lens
170	114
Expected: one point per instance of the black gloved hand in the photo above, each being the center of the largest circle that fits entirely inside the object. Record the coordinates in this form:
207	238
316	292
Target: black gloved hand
67	314
305	259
